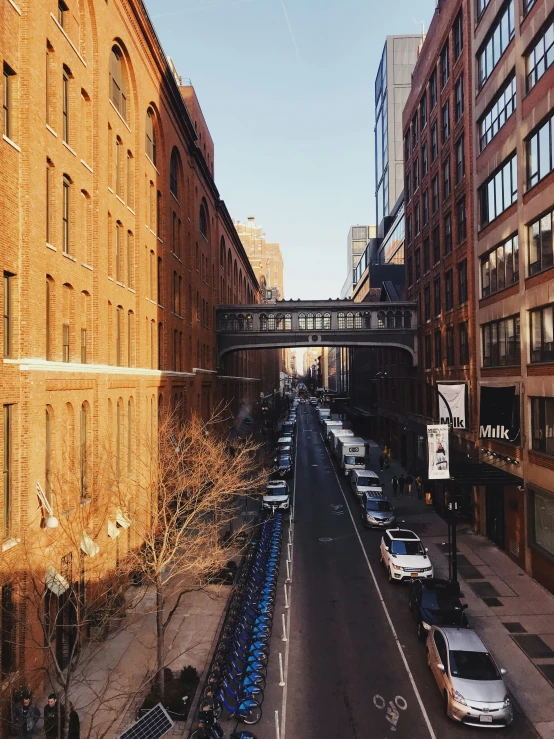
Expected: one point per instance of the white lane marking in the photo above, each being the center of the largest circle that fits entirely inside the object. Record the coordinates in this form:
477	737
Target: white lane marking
387	614
287	647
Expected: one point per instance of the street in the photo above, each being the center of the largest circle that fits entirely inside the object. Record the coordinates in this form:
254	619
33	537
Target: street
348	673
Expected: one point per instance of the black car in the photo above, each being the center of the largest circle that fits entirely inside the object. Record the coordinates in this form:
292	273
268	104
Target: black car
284	466
436	602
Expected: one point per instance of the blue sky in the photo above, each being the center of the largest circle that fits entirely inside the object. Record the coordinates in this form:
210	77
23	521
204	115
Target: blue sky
286	87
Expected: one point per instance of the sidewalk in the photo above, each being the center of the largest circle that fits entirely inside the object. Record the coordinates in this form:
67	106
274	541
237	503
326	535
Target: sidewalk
511	611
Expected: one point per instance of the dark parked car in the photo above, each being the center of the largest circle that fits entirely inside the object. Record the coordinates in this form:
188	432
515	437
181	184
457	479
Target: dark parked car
284	465
436	602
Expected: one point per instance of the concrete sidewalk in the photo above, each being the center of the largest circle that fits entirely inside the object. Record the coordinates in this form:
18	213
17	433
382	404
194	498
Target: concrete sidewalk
511	612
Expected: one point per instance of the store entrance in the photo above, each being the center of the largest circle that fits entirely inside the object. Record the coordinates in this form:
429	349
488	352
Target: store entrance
495	514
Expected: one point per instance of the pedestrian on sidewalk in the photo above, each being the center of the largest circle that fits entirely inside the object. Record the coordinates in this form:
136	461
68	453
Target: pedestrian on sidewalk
381	463
26	716
419	486
53	717
387	462
395	484
401	483
409	483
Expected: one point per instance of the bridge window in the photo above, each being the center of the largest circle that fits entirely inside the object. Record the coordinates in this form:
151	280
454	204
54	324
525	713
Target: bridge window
367	319
280	322
381	319
398	319
302	321
240	322
357	320
223	321
288	322
271	322
327	320
263	322
342	320
349	320
390	319
249	322
407	319
232	322
318	321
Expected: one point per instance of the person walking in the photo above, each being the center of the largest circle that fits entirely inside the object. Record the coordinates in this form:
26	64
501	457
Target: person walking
419	486
401	483
386	461
26	715
53	717
395	484
381	463
409	483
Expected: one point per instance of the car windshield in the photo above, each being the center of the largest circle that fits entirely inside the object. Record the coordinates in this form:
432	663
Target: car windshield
378	505
407	547
368	483
473	666
439	600
284	462
354	460
277	491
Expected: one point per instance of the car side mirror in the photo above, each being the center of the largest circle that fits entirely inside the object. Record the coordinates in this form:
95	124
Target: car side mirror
426	549
387	549
464	606
503	671
440	666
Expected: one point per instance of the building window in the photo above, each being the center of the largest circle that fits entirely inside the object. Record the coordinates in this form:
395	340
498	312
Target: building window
543	516
408	187
203	221
62	10
7	476
118	336
130	260
460	159
501	343
66	104
48	203
426	256
409	269
438	349
464	343
496	44
428	352
433	89
481	5
445	65
462	282
8	313
445	121
8	97
427	302
414	131
417	264
423	111
447	233
118	149
500	267
437	296
174	173
83	346
151	136
65	341
417	221
542	334
66	215
450	346
130	339
415	170
49	302
83	451
446	178
448	292
436	245
461	218
424	159
407	146
435	193
425	200
434	142
498	112
541	254
540	158
498	192
118	89
409	229
458	34
542	422
540	56
118	228
459	97
527	5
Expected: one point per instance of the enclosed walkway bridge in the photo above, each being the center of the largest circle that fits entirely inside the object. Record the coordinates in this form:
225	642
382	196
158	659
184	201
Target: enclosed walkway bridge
299	323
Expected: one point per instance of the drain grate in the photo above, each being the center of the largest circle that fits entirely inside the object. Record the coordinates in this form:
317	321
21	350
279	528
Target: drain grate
514	627
492	602
548	671
484	589
470	572
533	646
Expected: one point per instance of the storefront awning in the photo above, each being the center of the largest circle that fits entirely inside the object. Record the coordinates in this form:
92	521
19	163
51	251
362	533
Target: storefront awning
88	546
479	473
55	582
122	520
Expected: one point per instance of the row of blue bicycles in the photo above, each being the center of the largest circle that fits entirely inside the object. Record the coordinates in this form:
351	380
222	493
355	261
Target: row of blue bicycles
237	676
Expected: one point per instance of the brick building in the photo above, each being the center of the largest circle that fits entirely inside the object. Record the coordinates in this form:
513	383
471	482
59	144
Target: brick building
115	248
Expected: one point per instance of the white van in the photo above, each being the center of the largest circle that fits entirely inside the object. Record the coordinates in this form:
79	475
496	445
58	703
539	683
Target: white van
365	481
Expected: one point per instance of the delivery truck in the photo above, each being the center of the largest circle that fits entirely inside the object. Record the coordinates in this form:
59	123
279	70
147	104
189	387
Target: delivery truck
335	436
328	426
352	453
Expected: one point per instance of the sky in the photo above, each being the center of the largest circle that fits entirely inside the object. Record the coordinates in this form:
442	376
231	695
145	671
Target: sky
287	90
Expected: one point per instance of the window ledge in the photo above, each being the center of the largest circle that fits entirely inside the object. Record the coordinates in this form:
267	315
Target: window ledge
12	143
68	39
49	128
120	199
69	148
152	163
9	544
130	209
110	278
49	246
110	189
120	116
68	256
174	198
117	282
86	266
131	290
86	165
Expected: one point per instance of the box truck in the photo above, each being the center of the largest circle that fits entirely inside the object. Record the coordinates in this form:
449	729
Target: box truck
352	453
336	434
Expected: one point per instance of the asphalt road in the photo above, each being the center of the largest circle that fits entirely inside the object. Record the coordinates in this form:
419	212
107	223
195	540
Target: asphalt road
355	667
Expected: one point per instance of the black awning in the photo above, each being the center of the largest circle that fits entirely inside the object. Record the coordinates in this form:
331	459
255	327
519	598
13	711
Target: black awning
354	410
479	473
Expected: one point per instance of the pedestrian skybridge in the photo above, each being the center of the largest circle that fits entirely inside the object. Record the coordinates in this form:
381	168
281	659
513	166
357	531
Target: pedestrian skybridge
299	323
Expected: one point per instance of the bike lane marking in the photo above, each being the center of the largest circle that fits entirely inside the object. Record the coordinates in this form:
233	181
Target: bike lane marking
386	610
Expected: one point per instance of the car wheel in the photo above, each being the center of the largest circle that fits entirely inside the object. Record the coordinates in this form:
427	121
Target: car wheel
389	574
445	703
421	633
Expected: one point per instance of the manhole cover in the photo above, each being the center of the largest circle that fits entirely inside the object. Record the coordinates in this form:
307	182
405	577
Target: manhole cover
325	539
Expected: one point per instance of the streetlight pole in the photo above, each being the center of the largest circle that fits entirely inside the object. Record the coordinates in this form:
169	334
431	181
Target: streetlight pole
453	560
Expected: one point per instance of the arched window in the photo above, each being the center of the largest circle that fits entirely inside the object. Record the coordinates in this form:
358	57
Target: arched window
222	253
310	321
240	322
349	320
280	322
390	319
271	322
318	321
118	423
367	319
327	320
263	322
203	220
398	319
151	135
407	319
223	321
241	293
118	89
288	322
381	319
249	322
48	453
302	321
83	451
357	320
342	320
174	166
229	264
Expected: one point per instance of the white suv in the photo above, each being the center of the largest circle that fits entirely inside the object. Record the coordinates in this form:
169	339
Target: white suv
404	556
276	496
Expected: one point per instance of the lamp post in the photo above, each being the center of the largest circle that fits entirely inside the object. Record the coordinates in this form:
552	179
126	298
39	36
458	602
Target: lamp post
453	560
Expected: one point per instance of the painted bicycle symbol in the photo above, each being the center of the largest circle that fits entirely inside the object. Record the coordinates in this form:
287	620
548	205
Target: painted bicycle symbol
393	708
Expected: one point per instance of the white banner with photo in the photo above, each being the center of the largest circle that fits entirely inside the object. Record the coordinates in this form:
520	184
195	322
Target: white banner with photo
438	452
455	396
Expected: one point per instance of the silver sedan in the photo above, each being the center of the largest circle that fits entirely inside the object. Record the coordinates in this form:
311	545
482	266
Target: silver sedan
468	678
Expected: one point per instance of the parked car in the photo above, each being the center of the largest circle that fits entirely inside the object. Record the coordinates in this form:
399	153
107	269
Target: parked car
468	678
436	602
313	401
276	496
365	481
376	511
404	556
284	465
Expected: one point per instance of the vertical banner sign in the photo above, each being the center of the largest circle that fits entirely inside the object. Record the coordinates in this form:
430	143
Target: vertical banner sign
438	452
455	396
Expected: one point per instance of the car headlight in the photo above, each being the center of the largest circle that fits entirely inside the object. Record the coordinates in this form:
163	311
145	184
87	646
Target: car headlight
369	518
396	567
458	697
428	569
426	626
507	701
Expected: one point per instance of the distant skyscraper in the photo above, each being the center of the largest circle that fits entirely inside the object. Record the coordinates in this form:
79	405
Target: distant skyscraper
266	259
356	243
392	87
